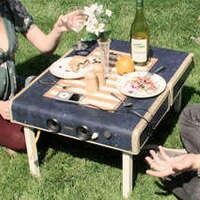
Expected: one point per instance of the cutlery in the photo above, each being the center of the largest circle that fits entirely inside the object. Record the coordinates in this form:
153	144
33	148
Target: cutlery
139	115
124	104
159	69
132	111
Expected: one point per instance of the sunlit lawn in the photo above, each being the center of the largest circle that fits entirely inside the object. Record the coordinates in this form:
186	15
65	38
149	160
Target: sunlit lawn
74	171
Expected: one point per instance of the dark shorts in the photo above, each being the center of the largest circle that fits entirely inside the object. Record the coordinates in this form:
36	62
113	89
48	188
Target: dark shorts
12	135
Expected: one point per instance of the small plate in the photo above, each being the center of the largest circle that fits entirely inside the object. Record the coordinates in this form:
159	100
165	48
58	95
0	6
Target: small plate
61	69
141	84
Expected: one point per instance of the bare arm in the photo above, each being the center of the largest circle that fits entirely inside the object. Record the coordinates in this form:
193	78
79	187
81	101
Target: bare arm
44	43
47	43
5	109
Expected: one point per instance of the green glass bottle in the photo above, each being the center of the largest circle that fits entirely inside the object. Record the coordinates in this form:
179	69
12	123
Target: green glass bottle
139	36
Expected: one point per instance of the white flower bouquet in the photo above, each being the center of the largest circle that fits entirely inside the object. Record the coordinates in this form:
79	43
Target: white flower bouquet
98	21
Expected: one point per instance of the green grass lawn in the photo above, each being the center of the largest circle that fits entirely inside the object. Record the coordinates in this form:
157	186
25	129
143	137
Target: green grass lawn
74	171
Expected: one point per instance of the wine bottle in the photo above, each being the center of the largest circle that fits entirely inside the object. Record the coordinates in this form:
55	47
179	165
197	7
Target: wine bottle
139	36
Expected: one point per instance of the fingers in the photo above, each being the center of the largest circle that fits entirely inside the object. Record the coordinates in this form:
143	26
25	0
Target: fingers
60	20
163	154
154	155
159	168
153	160
78	14
154	165
63	19
160	174
149	160
154	173
162	165
73	21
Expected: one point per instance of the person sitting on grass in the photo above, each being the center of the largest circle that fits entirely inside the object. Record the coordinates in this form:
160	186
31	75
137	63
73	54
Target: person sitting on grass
14	17
181	170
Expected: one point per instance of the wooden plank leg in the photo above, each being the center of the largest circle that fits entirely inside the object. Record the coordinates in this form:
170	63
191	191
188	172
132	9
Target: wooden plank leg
178	102
127	174
32	151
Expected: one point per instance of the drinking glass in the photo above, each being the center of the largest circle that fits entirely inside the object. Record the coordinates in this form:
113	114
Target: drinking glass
104	50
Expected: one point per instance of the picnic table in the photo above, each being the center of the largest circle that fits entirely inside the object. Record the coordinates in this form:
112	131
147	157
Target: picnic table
34	110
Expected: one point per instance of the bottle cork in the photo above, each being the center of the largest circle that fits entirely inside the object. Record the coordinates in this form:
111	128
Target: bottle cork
99	71
91	82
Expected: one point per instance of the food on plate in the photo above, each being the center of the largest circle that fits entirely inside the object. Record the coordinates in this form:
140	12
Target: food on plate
94	59
124	64
139	83
95	56
77	62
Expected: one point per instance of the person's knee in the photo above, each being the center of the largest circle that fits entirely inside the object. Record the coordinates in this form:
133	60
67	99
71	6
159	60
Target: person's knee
190	128
20	144
17	140
190	114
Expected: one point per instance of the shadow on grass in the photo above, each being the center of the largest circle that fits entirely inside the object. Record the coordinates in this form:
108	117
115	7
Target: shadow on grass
109	156
36	65
106	155
79	149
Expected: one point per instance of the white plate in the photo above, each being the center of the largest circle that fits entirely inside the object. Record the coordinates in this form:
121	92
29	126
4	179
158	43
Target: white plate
141	84
61	69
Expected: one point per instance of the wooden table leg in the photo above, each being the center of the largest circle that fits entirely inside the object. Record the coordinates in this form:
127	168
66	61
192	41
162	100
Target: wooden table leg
127	174
32	151
178	102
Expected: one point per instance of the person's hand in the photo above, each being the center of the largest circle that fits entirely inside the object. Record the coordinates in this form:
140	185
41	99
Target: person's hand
163	165
73	21
5	109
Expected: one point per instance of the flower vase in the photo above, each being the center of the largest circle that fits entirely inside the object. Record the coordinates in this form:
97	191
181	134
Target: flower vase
104	50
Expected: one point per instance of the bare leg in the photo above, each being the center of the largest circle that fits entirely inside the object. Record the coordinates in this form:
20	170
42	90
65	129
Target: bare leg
12	136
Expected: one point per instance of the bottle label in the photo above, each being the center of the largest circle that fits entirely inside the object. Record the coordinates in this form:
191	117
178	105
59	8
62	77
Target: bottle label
139	50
